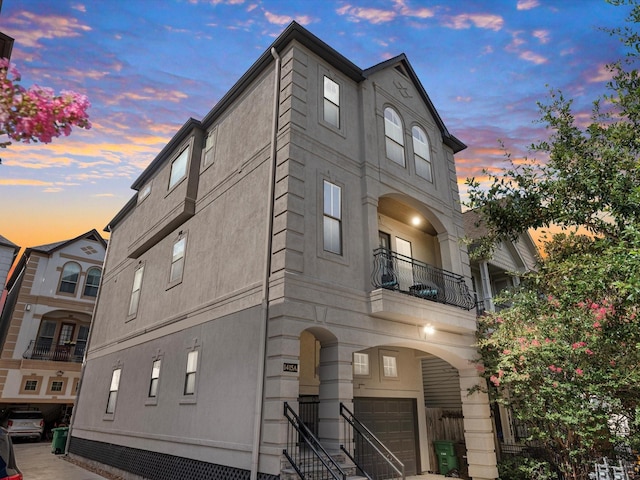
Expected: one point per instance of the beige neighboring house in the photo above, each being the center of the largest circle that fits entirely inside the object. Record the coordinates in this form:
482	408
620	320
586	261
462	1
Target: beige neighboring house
8	253
284	267
491	276
45	322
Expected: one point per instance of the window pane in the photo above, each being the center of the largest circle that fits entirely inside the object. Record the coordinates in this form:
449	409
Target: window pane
190	384
389	365
179	168
331	113
332	195
133	305
155	371
153	388
393	126
332	235
70	275
111	402
395	152
115	379
31	385
331	91
192	361
423	168
56	386
361	364
93	281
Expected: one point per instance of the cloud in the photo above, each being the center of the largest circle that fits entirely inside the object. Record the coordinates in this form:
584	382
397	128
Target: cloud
463	99
104	195
29	28
542	36
527	4
150	94
286	19
467	20
24	182
603	74
79	7
422	12
372	15
533	57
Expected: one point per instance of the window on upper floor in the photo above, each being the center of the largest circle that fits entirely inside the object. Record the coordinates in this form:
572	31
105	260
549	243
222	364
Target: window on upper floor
331	102
361	364
155	378
177	259
394	136
389	366
144	192
69	278
422	153
332	226
179	168
135	290
113	391
192	370
210	148
93	282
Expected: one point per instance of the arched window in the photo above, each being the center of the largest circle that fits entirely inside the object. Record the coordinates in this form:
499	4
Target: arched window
422	153
394	138
69	279
93	282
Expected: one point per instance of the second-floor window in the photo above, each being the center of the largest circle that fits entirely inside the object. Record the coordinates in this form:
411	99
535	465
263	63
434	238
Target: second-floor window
179	168
69	279
177	260
331	102
422	153
135	290
394	137
332	222
93	282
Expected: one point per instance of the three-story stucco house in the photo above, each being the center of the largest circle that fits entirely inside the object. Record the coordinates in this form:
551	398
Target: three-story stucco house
44	326
275	283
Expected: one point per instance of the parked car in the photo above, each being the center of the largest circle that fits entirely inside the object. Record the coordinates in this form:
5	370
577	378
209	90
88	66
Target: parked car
24	424
8	468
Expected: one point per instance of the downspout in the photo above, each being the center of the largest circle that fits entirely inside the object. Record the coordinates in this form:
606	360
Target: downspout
86	348
257	425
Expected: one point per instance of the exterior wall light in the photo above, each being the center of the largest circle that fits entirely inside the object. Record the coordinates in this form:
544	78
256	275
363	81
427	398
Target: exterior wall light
428	329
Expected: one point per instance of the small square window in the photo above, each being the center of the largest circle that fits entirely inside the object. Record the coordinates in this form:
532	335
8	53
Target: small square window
389	366
31	385
56	386
361	364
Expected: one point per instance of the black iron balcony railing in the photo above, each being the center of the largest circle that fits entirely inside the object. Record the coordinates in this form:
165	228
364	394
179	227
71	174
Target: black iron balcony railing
408	275
55	353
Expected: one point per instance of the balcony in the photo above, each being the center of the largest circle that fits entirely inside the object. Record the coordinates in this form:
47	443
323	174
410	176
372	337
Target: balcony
54	353
407	275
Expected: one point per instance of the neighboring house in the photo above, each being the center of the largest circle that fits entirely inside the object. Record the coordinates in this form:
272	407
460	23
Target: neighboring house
296	250
491	276
45	321
8	253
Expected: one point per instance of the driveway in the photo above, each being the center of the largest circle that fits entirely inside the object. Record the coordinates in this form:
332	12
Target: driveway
36	462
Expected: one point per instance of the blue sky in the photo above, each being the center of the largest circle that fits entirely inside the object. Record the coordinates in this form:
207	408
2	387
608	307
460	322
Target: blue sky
147	66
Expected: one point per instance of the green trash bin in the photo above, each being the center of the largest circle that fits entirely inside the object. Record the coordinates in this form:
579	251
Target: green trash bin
446	453
59	439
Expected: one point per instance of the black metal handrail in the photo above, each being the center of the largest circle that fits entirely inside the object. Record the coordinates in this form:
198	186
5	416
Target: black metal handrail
55	353
305	453
373	459
394	271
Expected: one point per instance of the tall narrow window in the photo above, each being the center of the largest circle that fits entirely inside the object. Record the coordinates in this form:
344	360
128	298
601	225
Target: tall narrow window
135	290
93	282
190	377
332	218
331	102
69	279
155	377
177	260
81	342
144	193
179	168
113	390
422	153
210	147
44	342
394	138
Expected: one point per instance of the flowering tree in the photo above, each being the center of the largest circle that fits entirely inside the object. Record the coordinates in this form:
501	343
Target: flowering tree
565	356
36	114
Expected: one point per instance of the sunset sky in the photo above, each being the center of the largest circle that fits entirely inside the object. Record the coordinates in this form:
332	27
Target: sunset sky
147	66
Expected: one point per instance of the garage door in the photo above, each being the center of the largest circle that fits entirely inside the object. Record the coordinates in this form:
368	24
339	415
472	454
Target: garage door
394	422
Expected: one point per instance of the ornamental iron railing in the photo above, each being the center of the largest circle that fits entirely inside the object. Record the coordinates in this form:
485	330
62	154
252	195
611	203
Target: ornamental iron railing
54	353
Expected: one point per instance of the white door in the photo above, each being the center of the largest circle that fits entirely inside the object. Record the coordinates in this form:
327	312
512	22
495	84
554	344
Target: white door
405	267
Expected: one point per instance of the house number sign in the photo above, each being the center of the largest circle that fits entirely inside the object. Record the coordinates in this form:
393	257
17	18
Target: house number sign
290	367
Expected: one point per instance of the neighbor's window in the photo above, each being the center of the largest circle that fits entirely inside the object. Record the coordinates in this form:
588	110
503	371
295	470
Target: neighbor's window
422	153
113	390
179	168
331	102
69	279
389	366
190	377
93	282
144	193
332	218
155	377
135	290
56	386
31	385
177	260
394	138
361	364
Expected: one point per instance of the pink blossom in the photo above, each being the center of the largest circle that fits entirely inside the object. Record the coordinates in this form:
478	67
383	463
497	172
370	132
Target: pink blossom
578	345
495	380
535	343
579	372
612	363
506	352
596	324
588	351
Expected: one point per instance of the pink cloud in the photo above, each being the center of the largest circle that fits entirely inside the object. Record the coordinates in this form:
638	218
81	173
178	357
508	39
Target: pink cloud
601	75
286	19
423	12
372	15
467	20
527	4
533	57
542	36
29	29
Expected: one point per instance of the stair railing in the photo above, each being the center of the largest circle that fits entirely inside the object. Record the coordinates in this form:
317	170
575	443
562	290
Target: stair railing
373	459
305	453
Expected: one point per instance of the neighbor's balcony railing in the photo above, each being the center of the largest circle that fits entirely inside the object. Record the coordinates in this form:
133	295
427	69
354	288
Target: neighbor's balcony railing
413	277
54	353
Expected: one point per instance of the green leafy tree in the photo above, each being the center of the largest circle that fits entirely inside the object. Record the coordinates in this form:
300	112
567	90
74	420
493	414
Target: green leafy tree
565	356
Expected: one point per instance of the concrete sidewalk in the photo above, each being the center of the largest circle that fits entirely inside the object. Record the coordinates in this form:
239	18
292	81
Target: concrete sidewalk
36	462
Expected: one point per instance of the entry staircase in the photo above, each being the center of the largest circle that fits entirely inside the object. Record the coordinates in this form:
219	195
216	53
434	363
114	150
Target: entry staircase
365	457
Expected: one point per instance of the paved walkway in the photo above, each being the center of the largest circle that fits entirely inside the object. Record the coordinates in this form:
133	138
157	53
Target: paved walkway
36	462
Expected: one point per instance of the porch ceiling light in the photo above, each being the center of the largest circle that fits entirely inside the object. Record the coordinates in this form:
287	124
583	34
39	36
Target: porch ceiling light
428	329
416	220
